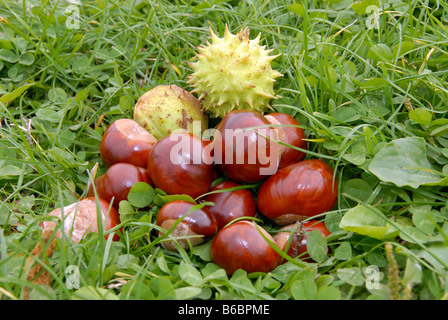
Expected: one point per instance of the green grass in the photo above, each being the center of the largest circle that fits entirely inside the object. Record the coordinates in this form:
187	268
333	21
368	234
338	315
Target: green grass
357	83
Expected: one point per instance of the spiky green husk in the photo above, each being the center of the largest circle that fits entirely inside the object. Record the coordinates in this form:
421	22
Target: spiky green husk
233	73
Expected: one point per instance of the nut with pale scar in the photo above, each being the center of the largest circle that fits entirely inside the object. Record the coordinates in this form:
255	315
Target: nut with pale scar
81	218
194	225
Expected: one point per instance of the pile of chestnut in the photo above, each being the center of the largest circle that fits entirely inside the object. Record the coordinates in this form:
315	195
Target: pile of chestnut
253	164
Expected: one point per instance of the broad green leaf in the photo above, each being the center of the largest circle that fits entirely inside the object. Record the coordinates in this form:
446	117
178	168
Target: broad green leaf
356	158
212	273
9	170
57	95
436	253
160	200
27	202
358	189
162	287
190	274
365	6
6	44
126	210
7	98
66	139
376	258
203	251
125	104
48	114
421	116
343	252
312	81
413	235
374	83
161	262
240	282
185	293
404	163
125	261
143	229
412	272
141	195
136	290
27	59
125	207
424	221
324	280
380	52
7	214
350	68
93	293
346	114
81	95
438	127
328	293
404	48
317	246
297	8
368	221
14	73
8	56
352	276
305	289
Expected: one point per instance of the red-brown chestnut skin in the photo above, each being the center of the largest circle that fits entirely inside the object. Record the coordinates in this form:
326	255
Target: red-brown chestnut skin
230	205
126	141
245	155
299	191
300	237
81	218
199	222
114	185
294	137
178	164
241	246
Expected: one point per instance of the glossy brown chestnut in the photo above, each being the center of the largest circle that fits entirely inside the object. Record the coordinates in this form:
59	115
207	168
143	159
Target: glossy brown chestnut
242	154
194	227
126	141
297	246
294	137
230	205
114	185
177	164
298	191
81	219
241	246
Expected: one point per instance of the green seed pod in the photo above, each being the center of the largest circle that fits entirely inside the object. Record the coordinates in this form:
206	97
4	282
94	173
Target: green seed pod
166	108
233	73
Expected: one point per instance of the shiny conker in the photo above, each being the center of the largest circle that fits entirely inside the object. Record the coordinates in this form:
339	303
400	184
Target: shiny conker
178	164
241	152
197	223
230	205
126	141
81	218
299	239
298	191
241	246
114	185
294	136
